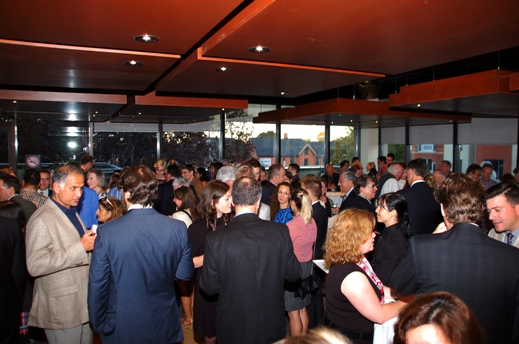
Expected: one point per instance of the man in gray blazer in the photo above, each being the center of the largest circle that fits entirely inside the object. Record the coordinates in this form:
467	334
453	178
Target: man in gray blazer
503	211
58	257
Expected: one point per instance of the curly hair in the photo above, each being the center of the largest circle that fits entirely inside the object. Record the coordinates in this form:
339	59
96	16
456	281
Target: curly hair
212	192
274	202
446	312
462	198
351	228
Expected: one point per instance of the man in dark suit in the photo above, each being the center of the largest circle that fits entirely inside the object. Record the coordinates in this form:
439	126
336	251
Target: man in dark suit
423	209
10	189
44	187
165	204
276	173
248	262
483	272
137	257
312	185
13	275
347	185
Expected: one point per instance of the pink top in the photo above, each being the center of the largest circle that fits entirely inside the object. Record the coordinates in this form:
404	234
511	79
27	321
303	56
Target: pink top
303	237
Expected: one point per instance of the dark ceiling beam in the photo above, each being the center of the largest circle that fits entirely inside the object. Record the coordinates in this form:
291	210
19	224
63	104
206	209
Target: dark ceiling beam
347	108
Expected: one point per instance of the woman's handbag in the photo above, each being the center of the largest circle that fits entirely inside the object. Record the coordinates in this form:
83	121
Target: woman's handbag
309	285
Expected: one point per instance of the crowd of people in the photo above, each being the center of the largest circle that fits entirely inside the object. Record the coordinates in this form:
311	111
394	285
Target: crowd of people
230	251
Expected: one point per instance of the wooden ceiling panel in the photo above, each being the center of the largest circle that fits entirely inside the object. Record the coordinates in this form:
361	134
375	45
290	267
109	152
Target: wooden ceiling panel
113	24
34	66
484	93
377	36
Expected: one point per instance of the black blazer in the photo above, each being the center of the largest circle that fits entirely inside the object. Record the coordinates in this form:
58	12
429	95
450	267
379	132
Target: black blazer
483	272
359	202
247	262
321	220
165	204
390	249
423	209
13	275
344	204
266	192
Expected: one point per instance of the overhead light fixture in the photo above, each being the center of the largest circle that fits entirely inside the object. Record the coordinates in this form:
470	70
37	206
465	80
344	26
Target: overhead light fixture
14	102
223	69
418	105
133	63
146	38
376	121
283	93
97	112
260	49
140	113
94	115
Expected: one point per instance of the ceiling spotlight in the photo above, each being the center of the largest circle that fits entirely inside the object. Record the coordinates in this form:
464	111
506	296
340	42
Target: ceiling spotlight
223	69
140	113
146	38
376	121
283	93
133	63
14	102
259	49
418	105
97	111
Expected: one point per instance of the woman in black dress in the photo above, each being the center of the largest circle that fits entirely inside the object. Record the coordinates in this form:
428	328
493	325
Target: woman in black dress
392	244
214	211
354	294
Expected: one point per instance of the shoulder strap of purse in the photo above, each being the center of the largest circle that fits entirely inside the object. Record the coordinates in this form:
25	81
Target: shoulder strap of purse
185	212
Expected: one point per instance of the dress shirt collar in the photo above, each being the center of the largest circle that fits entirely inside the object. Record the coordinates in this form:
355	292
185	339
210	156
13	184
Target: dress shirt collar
418	181
138	206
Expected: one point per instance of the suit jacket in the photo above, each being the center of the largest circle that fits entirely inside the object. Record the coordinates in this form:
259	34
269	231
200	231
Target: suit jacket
58	262
28	208
266	192
247	263
423	209
344	204
321	220
131	292
165	204
359	202
13	275
500	237
480	270
389	251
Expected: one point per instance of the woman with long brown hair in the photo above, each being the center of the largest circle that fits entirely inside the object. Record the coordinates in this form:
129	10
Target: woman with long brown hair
280	203
214	211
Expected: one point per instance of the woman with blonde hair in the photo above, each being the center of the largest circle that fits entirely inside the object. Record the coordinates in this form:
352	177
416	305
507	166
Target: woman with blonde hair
354	294
96	181
303	232
160	170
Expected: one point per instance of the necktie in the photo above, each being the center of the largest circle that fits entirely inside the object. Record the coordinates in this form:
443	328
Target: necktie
509	237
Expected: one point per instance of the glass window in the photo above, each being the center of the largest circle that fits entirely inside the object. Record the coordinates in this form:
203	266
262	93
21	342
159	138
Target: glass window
303	144
342	145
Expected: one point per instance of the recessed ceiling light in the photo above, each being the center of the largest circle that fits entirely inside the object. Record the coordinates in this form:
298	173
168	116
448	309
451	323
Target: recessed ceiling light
283	93
418	105
376	121
140	113
97	111
93	115
146	38
14	102
223	69
133	63
351	121
223	109
260	49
